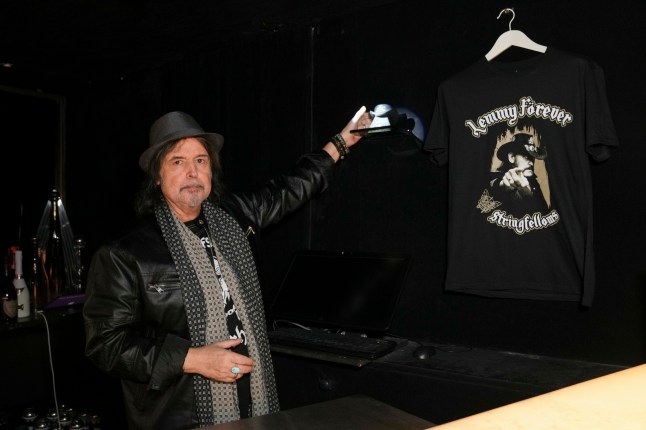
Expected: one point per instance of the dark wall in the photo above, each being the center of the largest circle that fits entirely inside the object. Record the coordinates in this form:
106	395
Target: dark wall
294	88
402	52
23	206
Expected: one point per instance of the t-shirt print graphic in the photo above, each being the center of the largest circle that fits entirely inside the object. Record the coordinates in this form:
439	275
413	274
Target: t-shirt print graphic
518	190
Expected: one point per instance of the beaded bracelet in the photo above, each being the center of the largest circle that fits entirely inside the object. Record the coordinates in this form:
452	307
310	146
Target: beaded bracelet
340	145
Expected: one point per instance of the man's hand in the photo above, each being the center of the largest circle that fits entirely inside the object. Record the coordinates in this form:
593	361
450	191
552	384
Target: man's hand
217	362
361	119
515	180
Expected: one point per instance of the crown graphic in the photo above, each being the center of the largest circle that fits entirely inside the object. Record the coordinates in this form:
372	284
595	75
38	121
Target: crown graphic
487	203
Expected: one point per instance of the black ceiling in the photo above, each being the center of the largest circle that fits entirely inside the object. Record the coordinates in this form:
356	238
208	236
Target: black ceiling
90	39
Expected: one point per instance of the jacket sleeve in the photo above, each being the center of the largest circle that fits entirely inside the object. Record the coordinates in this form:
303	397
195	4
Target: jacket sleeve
116	340
286	193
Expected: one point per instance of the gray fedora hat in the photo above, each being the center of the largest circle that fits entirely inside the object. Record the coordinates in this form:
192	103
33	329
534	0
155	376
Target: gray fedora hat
174	126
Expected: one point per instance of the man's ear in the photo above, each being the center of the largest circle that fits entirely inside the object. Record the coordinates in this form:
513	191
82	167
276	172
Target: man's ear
511	157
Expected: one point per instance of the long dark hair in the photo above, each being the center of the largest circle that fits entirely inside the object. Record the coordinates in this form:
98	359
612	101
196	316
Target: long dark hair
149	194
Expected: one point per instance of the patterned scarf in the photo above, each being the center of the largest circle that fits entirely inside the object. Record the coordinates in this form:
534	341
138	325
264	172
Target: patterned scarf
217	402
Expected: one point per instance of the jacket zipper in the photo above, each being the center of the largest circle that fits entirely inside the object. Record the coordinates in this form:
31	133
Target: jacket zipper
157	287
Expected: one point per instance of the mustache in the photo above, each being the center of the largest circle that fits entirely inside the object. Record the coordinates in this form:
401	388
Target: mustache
524	171
192	185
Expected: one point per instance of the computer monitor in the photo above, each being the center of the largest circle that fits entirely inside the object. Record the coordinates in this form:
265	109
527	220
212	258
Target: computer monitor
338	290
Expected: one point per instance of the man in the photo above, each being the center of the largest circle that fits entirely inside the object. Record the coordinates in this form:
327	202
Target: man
515	184
173	307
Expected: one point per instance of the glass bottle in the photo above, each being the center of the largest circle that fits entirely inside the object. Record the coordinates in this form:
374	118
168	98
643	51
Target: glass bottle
8	293
38	282
54	257
79	274
20	285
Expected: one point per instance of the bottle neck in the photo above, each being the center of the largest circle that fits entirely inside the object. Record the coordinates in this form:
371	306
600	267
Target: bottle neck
18	273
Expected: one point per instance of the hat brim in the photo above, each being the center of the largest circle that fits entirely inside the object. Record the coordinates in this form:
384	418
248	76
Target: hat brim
214	139
504	151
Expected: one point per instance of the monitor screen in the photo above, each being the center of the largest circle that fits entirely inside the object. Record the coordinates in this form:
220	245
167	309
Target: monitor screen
341	290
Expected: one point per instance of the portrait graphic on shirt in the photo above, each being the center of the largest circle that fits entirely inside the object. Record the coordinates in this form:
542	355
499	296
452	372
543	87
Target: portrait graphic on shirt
519	177
517	195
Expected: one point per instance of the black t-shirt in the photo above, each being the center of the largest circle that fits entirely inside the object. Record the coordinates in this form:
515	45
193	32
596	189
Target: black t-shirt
496	246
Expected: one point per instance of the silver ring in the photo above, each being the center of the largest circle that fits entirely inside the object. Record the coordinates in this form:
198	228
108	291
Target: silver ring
235	370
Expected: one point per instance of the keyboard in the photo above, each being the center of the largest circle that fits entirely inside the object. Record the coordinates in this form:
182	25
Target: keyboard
335	343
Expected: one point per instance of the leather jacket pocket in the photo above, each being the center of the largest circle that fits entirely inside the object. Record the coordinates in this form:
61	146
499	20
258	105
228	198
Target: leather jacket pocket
164	291
162	282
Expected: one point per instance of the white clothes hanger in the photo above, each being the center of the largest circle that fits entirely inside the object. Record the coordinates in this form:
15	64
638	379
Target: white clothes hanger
512	38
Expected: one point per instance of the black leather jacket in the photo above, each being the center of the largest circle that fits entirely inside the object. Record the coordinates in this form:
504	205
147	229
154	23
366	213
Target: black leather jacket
135	323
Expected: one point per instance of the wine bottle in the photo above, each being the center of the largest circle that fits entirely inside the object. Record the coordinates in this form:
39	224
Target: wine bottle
8	293
38	282
20	285
54	257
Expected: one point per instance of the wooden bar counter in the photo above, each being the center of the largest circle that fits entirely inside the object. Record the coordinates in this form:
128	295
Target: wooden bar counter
611	402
